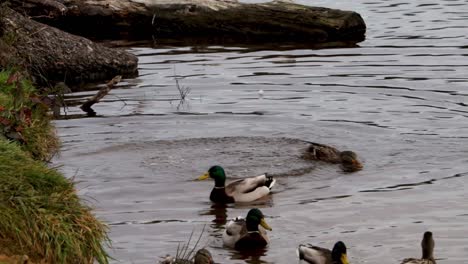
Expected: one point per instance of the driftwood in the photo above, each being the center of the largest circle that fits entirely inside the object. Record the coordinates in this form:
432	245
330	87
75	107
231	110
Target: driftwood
99	95
210	20
53	55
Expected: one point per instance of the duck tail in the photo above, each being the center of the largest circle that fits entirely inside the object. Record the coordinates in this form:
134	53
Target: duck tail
270	181
299	252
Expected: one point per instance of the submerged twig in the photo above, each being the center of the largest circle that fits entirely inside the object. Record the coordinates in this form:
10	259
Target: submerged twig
183	92
99	95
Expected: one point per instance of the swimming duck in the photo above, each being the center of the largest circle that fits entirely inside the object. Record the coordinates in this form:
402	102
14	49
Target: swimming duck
244	190
348	159
202	256
317	255
245	234
427	245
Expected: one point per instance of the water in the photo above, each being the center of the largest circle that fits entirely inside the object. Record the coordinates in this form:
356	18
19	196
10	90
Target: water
399	101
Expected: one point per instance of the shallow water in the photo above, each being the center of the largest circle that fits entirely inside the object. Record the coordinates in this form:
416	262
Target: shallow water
399	101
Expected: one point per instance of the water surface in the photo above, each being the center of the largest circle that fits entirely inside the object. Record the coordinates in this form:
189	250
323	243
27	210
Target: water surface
399	101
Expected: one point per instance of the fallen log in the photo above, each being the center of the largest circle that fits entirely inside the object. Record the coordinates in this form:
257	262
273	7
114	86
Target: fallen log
211	20
52	55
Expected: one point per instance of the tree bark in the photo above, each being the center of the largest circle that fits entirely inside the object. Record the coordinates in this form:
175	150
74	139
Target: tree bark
210	20
52	55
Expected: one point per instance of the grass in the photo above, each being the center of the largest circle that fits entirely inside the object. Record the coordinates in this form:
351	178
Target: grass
185	253
41	215
24	117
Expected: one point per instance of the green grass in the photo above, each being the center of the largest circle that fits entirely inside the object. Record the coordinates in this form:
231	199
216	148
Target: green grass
41	215
24	117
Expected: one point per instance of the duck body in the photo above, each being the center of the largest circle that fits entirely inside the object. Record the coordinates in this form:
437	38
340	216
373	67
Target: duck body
427	246
202	256
417	261
242	191
247	234
348	159
318	255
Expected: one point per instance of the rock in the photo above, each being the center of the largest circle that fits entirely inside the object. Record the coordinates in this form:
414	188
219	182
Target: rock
50	54
205	20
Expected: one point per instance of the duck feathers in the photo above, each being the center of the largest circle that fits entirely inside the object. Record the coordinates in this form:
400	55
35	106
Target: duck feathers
250	189
314	255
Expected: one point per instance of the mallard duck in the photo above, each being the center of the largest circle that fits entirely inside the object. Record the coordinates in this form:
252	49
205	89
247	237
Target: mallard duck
348	159
427	245
244	190
317	255
243	234
202	256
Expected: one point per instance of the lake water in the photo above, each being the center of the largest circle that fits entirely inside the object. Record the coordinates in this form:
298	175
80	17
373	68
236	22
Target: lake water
399	100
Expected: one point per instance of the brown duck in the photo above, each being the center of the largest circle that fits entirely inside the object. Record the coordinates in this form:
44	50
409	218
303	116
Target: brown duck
427	245
348	159
202	256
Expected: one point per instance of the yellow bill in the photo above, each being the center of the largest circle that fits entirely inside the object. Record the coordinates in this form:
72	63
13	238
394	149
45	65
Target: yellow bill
344	259
265	225
204	177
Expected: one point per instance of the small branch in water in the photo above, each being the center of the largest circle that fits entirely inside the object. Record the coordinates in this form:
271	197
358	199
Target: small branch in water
99	95
183	91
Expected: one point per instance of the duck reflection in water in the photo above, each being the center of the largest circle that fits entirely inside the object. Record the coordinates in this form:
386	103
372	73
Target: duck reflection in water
250	256
219	211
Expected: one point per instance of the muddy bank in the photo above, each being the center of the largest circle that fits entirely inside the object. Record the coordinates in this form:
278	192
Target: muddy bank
52	55
200	20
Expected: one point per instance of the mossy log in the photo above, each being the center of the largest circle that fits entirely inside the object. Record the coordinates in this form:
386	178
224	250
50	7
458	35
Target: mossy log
211	20
50	54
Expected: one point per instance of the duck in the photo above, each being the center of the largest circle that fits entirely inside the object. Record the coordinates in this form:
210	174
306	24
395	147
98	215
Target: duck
348	159
427	245
317	255
249	233
240	191
203	256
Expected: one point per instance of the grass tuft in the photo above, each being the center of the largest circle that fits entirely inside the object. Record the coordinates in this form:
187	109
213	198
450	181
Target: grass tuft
42	216
24	116
185	253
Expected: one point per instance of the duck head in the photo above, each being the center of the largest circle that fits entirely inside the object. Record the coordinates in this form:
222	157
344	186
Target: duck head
217	174
203	256
255	218
339	253
350	161
427	245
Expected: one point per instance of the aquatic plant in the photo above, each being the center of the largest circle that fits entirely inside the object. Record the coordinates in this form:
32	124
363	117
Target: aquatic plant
183	91
42	216
185	254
